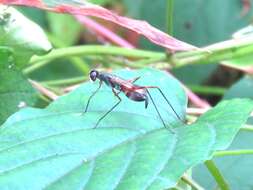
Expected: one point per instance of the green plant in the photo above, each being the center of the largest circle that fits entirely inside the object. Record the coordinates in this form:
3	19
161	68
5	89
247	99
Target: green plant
52	142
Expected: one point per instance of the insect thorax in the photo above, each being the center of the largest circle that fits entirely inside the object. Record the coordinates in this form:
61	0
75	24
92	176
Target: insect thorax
108	80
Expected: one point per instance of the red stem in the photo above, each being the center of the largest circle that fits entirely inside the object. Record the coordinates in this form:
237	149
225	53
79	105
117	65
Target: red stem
103	31
197	101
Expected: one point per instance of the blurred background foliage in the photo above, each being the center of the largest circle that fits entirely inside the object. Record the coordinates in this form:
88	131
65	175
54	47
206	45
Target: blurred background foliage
198	22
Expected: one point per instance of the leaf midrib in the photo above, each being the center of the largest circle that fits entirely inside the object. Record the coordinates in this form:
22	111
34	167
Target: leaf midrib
3	127
140	136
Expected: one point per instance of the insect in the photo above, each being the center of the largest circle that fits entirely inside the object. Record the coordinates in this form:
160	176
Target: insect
132	91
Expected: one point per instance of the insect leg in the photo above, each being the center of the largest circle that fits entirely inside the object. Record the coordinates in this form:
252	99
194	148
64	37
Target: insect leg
168	102
159	112
93	94
113	107
134	79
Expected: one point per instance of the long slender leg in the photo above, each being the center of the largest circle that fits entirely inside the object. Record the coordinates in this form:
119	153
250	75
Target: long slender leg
166	101
113	107
134	79
93	94
159	112
170	104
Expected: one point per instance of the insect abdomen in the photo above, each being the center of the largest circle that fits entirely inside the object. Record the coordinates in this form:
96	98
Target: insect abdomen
138	97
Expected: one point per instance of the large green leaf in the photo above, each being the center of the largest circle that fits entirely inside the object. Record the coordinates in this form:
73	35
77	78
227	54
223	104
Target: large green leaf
131	149
24	37
15	90
230	165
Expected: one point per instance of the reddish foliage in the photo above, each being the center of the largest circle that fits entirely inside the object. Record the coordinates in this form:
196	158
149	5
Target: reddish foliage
82	8
103	32
32	3
246	4
132	37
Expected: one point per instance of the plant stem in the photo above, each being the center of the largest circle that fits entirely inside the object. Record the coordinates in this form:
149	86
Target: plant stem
233	152
220	51
76	61
102	31
197	101
207	90
142	63
40	61
43	90
35	67
247	128
213	169
170	12
96	50
191	182
69	81
44	98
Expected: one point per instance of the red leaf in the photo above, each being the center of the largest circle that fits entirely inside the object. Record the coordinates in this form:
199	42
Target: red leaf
76	7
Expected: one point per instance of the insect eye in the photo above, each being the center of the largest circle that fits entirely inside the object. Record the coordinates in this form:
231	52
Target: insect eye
93	75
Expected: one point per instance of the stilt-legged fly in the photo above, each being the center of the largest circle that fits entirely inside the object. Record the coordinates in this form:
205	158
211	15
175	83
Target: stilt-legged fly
131	90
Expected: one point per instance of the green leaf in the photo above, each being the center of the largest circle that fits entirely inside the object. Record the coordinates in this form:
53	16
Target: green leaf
244	62
15	91
130	149
231	166
24	37
36	15
64	27
5	55
241	89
